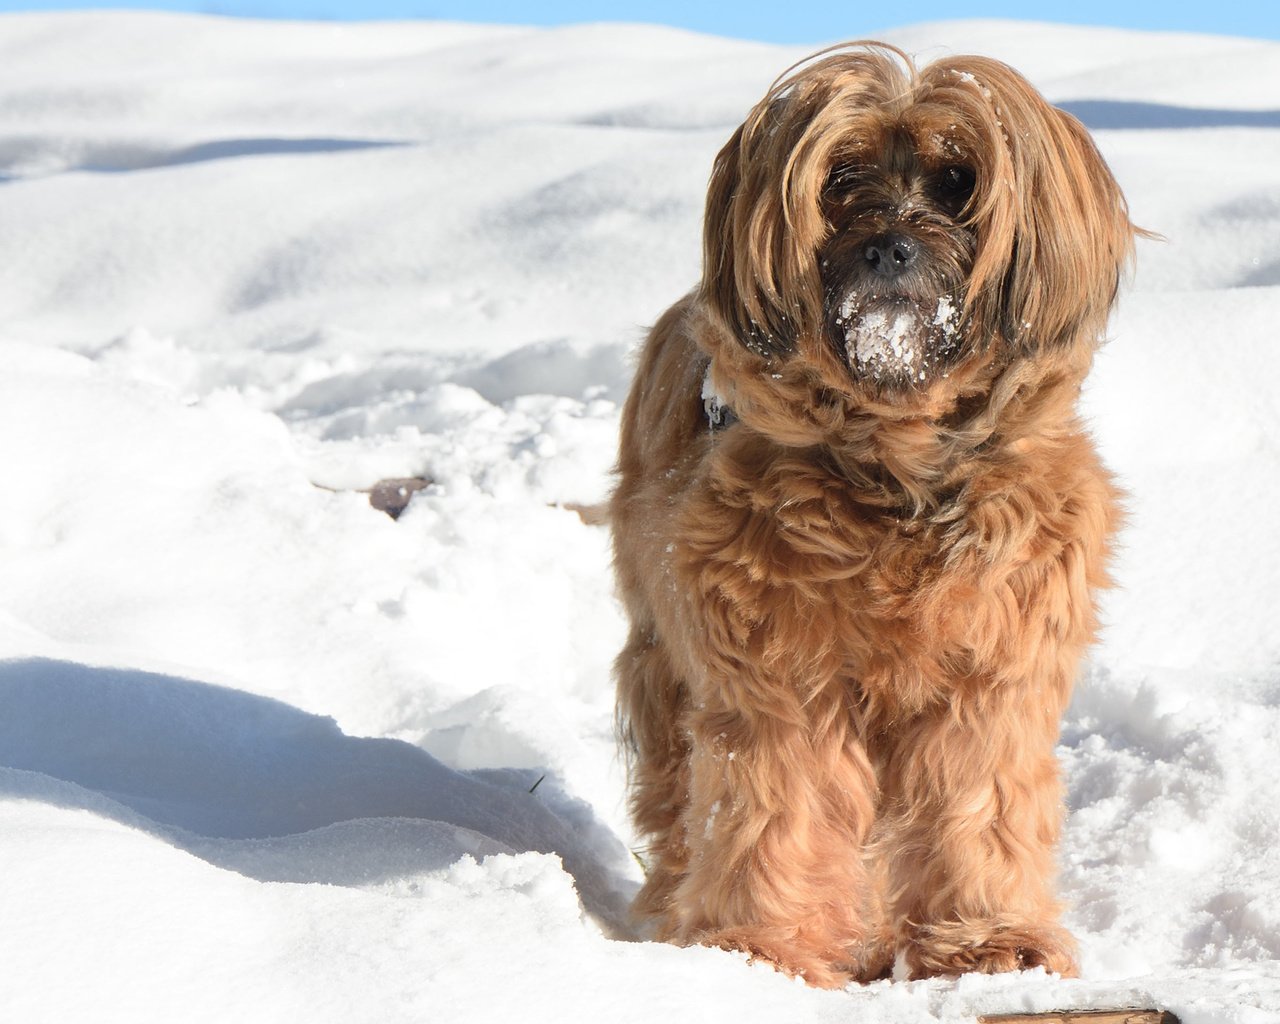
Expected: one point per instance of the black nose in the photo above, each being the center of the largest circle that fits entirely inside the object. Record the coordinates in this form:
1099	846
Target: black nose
891	255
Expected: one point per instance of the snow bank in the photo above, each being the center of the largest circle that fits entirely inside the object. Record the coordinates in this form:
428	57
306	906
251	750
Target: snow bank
267	754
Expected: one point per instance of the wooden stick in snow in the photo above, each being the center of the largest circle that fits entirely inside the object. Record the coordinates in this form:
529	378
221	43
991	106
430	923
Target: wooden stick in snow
1082	1017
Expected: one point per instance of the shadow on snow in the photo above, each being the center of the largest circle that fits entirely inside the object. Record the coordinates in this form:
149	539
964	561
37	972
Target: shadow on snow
262	788
1119	114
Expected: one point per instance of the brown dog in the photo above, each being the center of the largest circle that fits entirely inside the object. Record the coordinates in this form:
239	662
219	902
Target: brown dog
858	525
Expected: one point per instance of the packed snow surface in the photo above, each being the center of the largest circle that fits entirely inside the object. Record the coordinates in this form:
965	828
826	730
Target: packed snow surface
267	754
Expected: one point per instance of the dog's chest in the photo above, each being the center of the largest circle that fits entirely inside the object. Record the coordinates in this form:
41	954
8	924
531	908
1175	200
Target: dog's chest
905	606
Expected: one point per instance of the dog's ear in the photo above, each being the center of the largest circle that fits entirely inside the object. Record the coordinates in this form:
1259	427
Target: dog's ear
764	221
1054	227
742	245
1074	242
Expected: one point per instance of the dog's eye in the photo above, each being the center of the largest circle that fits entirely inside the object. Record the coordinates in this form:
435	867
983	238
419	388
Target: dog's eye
843	177
956	183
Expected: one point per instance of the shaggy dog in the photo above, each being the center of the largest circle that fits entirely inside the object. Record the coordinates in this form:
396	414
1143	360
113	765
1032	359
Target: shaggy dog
859	526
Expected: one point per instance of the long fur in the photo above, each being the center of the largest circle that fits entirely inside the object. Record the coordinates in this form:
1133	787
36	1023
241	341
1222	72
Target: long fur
857	612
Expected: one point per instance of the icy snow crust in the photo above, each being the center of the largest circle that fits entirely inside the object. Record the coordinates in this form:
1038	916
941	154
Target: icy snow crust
267	755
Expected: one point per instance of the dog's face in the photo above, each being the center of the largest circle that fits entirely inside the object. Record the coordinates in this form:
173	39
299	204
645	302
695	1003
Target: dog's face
899	252
890	226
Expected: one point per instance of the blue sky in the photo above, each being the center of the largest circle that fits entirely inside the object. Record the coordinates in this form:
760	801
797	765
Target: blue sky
784	21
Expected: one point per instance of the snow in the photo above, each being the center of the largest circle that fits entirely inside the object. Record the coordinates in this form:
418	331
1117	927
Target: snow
895	337
881	338
266	754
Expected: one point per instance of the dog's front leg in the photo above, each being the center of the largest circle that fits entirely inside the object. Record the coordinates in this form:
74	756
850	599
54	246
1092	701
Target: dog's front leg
778	811
973	798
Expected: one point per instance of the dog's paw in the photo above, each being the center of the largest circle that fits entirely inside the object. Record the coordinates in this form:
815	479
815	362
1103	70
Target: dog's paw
872	961
953	949
784	952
